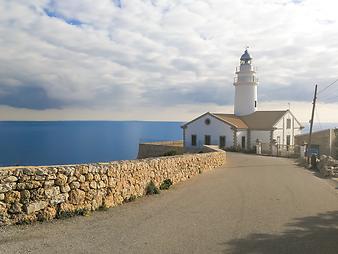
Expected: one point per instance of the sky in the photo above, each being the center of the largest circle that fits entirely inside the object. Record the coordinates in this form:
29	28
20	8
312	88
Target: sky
167	60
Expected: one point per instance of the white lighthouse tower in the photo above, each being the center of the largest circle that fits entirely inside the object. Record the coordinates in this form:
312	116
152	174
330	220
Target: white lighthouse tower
245	87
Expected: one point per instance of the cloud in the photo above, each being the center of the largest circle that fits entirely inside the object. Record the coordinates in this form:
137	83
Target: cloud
125	57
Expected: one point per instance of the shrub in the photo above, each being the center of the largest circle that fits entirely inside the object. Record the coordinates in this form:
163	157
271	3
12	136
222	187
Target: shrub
67	214
170	153
130	199
151	189
166	184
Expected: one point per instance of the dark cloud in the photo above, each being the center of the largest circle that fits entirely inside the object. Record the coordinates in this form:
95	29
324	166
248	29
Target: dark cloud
27	97
208	92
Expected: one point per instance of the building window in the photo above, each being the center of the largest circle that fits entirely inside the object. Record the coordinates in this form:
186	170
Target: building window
288	140
193	140
222	141
207	121
288	123
255	104
243	142
278	139
207	139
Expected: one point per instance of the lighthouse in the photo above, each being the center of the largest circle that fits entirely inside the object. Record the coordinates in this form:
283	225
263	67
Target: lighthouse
245	87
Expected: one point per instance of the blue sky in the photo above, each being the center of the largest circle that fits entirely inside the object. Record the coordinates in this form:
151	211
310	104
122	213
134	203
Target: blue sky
162	59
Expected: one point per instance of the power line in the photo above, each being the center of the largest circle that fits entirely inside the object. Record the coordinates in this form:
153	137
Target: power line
327	86
333	91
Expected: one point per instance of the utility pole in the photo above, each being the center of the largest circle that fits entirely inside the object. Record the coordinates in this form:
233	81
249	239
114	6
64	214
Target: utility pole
311	123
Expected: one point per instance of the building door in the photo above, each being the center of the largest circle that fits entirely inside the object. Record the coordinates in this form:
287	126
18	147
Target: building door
243	142
221	141
288	141
207	139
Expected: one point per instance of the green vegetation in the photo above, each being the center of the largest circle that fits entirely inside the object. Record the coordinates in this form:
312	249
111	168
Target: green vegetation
151	189
170	153
166	184
130	199
67	214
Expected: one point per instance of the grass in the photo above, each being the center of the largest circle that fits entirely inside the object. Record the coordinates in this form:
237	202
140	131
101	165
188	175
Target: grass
165	185
151	189
170	153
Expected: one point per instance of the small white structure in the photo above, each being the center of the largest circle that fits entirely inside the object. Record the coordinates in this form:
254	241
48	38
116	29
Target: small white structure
247	126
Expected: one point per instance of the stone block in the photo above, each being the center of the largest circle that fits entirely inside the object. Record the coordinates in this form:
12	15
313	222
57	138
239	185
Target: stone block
60	198
85	186
11	179
52	192
109	201
101	185
35	206
49	183
65	188
61	180
74	185
82	178
15	208
72	179
13	196
93	185
3	207
25	196
5	187
89	177
77	196
47	214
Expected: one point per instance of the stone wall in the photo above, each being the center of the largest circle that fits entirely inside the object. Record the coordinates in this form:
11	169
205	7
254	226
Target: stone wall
327	166
156	149
29	194
325	139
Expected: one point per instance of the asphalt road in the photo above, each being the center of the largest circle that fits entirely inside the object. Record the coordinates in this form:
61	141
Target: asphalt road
252	205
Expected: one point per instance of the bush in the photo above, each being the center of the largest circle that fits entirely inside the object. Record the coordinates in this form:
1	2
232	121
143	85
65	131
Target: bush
151	189
233	149
166	184
170	153
130	199
67	214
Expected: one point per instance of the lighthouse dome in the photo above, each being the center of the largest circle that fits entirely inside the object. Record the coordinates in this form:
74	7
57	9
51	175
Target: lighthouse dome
246	58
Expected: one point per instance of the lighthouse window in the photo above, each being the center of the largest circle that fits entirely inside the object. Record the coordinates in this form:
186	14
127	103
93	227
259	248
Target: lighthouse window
255	104
207	121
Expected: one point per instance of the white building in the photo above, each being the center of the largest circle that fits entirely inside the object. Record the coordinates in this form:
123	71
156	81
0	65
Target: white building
247	125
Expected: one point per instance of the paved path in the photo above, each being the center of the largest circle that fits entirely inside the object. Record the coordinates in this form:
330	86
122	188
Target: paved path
252	205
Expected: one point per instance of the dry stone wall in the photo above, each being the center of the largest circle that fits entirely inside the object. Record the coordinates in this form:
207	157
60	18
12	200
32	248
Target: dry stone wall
29	194
154	149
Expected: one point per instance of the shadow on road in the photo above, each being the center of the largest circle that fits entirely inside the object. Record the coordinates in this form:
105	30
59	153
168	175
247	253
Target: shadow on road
314	234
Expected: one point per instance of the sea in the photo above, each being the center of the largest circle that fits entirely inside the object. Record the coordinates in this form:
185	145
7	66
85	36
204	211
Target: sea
70	142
